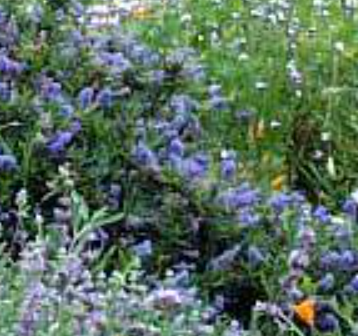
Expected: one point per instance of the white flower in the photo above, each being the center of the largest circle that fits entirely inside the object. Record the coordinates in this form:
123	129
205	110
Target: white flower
339	46
326	136
261	85
354	196
243	57
186	18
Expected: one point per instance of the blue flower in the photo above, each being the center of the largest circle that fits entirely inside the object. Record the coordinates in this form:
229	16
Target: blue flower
5	91
7	162
157	77
327	323
342	234
228	165
143	249
350	207
330	260
105	98
86	97
244	116
181	121
322	214
9	66
326	283
176	147
52	91
348	260
225	260
117	61
75	127
196	166
194	72
228	168
141	54
59	142
255	256
67	110
183	104
248	217
298	198
354	283
115	194
280	202
218	103
240	197
144	155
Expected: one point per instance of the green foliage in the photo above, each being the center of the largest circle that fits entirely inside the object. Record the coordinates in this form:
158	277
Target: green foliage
286	104
243	43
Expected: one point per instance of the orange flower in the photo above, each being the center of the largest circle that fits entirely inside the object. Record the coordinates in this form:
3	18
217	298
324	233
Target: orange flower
278	182
305	311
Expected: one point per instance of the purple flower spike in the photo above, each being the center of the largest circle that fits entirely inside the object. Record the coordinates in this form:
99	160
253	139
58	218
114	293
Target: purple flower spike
105	98
86	97
280	202
59	142
9	66
176	147
183	104
145	156
52	91
228	165
322	214
350	207
196	166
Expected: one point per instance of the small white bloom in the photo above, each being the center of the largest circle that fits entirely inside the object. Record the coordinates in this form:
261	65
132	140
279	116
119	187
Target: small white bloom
186	18
275	124
339	46
235	15
243	57
354	196
326	136
338	220
318	154
261	85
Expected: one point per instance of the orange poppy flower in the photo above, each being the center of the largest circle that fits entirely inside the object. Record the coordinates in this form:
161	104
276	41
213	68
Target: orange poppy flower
306	311
278	182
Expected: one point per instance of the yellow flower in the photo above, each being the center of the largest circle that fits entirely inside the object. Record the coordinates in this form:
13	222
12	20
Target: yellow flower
306	311
141	12
258	130
278	182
